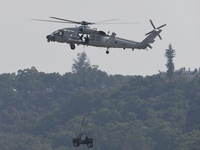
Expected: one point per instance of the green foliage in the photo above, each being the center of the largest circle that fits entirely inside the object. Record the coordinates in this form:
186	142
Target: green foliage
170	54
189	140
45	111
81	63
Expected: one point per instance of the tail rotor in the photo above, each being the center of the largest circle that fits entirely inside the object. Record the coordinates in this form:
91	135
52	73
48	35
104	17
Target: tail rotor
158	29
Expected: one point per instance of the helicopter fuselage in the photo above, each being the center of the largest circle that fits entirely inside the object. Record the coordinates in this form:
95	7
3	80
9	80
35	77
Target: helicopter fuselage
92	37
84	35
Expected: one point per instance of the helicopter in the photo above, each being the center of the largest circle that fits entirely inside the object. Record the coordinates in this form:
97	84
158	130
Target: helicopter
85	35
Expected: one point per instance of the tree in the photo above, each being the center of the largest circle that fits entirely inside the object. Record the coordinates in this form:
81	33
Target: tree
44	111
81	63
170	54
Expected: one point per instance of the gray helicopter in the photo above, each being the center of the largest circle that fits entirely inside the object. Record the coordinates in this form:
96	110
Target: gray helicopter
84	35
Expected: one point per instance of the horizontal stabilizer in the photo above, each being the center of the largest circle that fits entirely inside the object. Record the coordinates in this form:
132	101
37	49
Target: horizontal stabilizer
148	45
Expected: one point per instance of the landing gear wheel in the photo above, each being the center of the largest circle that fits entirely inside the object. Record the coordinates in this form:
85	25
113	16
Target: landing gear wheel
107	52
72	46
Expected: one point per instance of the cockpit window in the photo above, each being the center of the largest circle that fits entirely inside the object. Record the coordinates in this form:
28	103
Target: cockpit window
61	33
58	33
98	38
55	33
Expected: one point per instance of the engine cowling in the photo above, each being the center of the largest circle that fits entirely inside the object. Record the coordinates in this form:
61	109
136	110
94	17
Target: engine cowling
88	30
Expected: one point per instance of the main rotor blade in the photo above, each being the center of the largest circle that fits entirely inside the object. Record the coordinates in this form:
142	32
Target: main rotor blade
152	23
49	21
162	26
61	20
105	21
118	23
76	22
66	20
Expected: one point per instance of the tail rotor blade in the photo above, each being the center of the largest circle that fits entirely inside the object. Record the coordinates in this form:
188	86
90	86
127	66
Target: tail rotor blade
155	29
162	26
152	23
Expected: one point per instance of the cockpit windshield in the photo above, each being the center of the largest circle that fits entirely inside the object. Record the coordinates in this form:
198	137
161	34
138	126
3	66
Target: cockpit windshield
58	33
55	33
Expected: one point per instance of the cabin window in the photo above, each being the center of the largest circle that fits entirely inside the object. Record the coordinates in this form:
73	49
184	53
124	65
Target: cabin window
98	38
92	37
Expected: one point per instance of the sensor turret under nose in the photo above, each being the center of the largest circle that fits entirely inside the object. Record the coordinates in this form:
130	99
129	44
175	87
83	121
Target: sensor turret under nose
50	38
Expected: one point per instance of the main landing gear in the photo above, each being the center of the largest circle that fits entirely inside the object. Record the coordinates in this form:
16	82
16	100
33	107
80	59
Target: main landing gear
72	46
107	51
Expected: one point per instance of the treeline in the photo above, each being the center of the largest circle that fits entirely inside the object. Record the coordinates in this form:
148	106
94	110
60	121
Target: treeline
45	111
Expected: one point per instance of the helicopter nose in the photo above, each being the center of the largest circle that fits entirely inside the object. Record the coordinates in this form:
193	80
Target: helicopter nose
50	38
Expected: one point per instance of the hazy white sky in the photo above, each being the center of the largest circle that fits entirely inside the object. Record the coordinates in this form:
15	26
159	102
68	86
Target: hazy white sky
23	43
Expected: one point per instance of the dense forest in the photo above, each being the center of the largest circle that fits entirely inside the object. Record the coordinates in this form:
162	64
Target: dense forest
44	111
